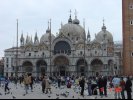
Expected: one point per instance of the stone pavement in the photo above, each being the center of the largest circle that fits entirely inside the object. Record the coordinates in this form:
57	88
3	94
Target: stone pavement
18	93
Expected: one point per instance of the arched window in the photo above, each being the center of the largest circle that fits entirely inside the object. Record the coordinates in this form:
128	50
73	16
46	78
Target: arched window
62	47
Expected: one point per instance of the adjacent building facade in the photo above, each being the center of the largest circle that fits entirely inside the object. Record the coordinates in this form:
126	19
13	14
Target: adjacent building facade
70	52
1	67
127	13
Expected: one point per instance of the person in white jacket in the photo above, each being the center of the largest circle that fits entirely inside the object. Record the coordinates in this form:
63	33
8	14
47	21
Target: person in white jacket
116	83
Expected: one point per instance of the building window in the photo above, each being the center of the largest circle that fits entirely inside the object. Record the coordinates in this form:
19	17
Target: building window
7	66
6	74
7	60
77	38
131	6
132	54
131	38
81	53
131	22
29	54
13	68
68	34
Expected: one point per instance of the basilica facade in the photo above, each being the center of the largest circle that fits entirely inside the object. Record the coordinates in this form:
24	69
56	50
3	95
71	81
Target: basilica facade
70	52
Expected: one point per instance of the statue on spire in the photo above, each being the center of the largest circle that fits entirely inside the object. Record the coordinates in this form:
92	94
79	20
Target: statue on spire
70	19
22	39
103	27
88	36
75	14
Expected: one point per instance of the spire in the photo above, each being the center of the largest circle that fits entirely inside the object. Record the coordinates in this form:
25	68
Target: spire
75	14
22	39
70	19
27	39
104	27
48	30
76	21
84	23
31	41
88	36
61	24
36	40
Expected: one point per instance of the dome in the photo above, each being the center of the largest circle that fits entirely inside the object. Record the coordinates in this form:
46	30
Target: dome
45	38
76	21
73	30
104	35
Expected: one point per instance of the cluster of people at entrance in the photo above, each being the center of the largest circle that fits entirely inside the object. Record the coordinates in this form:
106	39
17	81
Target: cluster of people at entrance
99	85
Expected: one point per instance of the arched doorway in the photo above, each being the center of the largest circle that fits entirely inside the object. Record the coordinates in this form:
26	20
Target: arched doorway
97	67
27	67
62	47
41	67
81	67
61	63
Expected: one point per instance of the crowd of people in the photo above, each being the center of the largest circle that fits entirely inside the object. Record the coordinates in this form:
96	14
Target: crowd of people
95	85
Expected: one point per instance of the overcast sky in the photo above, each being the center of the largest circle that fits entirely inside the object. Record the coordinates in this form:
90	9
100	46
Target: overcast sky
33	15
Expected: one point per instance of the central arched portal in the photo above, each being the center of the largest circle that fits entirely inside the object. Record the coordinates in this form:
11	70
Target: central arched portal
97	66
27	67
41	67
81	67
61	63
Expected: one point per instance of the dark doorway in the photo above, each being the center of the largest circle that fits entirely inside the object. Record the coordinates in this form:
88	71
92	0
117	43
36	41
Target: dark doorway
97	74
62	71
82	70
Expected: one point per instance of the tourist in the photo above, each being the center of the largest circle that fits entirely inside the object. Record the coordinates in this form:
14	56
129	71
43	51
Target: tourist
105	85
122	85
82	85
6	85
31	82
100	85
89	83
116	84
59	82
43	84
26	83
48	85
128	88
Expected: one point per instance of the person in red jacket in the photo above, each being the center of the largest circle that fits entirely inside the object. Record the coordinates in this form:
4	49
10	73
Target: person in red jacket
122	85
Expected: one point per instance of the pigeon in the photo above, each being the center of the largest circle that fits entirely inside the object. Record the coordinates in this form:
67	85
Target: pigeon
24	94
57	98
13	97
49	96
57	94
73	97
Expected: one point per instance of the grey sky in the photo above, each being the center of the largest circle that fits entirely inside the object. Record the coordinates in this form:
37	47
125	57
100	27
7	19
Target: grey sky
33	15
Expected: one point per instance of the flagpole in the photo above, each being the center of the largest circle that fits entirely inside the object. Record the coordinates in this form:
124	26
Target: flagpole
50	48
16	70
